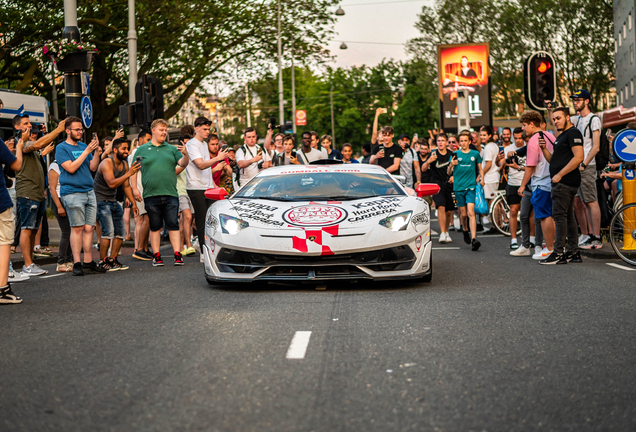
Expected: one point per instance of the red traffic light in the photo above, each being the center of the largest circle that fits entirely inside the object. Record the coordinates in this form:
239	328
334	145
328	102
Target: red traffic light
543	67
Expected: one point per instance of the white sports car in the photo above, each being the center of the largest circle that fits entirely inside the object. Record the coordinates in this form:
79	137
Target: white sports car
319	222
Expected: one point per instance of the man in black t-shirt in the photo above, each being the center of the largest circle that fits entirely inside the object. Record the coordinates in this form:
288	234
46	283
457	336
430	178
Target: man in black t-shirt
389	155
566	180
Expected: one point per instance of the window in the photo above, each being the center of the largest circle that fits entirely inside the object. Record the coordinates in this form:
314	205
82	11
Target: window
620	40
631	54
624	31
620	97
631	87
629	21
626	92
615	46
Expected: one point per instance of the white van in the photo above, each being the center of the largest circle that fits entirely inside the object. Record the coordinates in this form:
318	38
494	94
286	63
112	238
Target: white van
13	103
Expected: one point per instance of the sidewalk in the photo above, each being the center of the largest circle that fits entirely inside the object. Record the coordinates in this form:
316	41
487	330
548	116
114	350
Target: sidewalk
128	247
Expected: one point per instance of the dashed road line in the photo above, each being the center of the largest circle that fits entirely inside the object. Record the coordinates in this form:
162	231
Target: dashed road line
298	346
445	248
53	275
622	267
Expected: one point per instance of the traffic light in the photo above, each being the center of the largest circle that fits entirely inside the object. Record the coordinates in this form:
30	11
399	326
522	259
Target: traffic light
539	79
149	92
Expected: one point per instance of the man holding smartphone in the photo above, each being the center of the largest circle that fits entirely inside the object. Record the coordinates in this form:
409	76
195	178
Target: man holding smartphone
76	163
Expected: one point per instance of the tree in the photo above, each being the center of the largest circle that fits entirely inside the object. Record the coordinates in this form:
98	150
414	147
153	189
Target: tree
181	43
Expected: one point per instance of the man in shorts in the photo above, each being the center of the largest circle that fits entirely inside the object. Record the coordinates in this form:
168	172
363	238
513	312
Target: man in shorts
464	166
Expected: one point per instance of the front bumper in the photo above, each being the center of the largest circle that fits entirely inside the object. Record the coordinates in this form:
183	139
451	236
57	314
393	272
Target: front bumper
398	262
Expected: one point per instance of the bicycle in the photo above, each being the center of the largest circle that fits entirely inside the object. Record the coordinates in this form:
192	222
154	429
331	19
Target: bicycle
500	214
622	233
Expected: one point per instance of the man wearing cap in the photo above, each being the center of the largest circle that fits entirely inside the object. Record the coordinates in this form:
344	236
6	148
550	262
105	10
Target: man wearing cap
410	163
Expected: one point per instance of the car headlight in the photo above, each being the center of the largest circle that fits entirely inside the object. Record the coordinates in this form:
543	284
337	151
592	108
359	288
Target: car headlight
398	222
232	225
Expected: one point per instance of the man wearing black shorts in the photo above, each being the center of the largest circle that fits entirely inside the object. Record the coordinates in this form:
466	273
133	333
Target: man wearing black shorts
438	163
516	170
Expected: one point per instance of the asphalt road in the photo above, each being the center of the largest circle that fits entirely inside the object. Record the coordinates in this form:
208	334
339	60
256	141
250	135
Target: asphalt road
493	343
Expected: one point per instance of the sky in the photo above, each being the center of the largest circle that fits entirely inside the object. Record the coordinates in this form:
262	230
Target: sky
374	21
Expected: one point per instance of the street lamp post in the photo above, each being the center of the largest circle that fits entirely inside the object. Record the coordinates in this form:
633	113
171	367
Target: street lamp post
132	57
281	108
72	80
293	90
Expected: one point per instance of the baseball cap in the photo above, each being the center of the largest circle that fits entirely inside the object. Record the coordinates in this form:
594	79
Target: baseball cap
581	93
405	136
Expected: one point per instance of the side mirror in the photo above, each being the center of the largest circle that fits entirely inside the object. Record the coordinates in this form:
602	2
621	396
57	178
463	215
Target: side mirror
216	194
427	189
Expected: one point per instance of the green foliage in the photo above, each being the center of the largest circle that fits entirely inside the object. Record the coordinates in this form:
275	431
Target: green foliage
578	33
357	93
181	43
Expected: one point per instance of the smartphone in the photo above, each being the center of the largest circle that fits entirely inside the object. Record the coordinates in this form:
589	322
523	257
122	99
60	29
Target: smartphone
381	148
383	110
138	160
224	147
94	135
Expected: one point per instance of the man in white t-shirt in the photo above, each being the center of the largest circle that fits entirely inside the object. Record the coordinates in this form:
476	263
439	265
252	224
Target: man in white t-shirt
489	163
410	163
307	154
588	212
199	174
251	158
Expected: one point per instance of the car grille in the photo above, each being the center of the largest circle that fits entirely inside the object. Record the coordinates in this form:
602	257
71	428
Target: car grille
390	259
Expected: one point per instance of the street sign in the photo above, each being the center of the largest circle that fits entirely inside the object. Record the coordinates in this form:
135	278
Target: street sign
630	174
301	118
625	145
86	83
86	110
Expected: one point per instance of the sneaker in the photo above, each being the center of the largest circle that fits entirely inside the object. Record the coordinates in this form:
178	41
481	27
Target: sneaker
480	228
191	250
42	251
119	265
201	259
7	296
40	254
178	259
93	267
538	250
514	245
33	270
77	269
476	244
156	260
466	237
485	220
15	276
542	255
596	243
141	255
587	244
108	264
451	228
554	258
521	251
583	238
442	237
573	257
63	268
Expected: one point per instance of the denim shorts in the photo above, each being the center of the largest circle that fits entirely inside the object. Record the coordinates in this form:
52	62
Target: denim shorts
111	218
31	213
162	209
542	203
465	197
81	208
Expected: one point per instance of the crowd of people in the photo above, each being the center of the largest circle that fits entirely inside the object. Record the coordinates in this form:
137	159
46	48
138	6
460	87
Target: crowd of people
549	181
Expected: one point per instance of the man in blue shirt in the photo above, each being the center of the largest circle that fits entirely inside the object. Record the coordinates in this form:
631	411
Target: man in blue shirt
76	163
7	222
464	166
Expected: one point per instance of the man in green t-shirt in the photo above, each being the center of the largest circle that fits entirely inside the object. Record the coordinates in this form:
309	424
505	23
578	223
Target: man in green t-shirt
466	170
159	161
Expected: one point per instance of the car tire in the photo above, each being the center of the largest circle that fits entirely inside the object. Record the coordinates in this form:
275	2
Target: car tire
429	276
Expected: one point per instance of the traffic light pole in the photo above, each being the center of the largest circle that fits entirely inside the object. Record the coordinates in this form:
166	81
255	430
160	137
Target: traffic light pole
132	58
72	80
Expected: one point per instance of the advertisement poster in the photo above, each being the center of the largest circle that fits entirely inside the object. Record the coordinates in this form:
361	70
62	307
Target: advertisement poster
464	67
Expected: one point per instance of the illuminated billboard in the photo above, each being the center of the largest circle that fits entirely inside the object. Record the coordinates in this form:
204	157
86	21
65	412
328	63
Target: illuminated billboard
464	67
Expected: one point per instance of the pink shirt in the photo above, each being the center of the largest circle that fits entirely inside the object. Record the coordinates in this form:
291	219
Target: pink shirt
535	158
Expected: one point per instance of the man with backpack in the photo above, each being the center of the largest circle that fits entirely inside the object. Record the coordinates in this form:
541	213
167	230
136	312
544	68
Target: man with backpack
588	212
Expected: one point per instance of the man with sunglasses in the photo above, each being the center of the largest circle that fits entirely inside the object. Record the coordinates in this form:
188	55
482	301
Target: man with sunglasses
30	189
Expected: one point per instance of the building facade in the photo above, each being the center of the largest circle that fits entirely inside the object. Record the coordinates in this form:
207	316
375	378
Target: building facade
625	47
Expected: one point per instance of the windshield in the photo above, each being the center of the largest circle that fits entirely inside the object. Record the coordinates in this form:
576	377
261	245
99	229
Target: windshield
320	186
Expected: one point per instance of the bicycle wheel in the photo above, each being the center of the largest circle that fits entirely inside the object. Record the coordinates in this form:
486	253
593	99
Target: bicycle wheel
500	216
623	233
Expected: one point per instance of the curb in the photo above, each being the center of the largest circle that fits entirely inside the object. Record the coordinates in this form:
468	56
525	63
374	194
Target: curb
605	253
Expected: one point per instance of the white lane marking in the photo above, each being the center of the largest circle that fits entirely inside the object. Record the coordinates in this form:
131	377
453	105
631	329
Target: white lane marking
621	267
53	275
445	248
298	345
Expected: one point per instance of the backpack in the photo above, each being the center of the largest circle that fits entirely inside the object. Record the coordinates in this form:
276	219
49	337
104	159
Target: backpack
603	155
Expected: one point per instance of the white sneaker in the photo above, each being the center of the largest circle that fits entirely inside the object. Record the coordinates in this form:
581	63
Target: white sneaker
33	270
442	237
521	251
583	239
538	249
201	259
17	277
485	220
457	224
448	238
543	255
